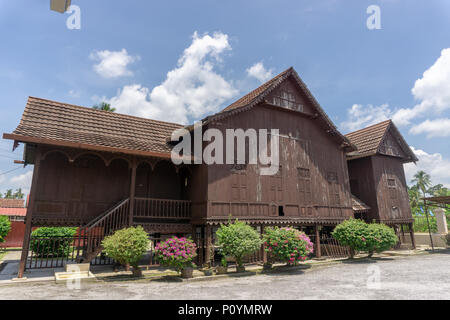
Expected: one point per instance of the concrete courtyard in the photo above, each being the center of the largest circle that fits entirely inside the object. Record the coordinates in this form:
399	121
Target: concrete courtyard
424	276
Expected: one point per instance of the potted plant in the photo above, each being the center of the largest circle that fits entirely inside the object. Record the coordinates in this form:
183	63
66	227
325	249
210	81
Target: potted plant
223	267
127	246
238	240
207	270
287	244
177	253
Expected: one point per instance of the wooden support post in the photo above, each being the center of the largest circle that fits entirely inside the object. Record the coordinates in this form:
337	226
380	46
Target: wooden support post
411	234
28	218
201	245
263	247
208	244
132	190
318	250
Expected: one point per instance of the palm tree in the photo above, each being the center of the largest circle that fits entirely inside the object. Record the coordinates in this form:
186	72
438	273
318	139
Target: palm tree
414	199
18	194
104	106
423	182
9	194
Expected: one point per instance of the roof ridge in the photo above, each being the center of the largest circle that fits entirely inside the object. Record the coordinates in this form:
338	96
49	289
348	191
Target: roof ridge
366	128
109	113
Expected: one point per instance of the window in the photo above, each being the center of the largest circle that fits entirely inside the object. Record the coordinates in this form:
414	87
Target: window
286	99
276	186
239	182
333	188
392	188
304	185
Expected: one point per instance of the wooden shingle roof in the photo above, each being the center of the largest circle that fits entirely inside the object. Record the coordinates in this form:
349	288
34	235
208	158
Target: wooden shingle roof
259	94
369	140
56	123
359	206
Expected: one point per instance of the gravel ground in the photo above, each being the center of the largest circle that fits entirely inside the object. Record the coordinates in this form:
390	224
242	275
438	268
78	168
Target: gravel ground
416	277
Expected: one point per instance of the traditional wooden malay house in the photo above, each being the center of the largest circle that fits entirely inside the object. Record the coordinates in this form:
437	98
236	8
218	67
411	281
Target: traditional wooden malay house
102	171
377	176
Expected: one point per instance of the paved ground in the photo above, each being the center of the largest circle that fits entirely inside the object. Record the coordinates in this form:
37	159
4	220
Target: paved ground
416	277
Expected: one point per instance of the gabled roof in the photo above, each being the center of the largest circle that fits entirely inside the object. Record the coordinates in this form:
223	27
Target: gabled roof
55	123
17	212
12	203
359	206
369	140
259	94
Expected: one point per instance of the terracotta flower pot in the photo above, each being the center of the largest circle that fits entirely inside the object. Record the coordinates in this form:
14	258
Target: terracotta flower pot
207	272
267	266
187	272
240	269
221	270
137	272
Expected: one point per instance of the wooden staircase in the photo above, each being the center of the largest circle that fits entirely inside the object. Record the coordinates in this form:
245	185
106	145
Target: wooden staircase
92	234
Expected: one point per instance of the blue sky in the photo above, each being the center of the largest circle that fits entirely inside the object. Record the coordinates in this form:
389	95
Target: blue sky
181	60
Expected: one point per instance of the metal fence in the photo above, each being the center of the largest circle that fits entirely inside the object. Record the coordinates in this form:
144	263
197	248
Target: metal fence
56	252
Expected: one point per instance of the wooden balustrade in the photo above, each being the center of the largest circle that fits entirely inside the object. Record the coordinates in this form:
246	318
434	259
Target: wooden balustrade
162	208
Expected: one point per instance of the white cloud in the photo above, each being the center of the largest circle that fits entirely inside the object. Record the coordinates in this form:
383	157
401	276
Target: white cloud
433	128
190	91
432	90
360	116
22	180
112	64
433	164
259	72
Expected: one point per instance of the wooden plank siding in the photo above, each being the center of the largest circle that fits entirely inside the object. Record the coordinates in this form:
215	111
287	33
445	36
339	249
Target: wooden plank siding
312	181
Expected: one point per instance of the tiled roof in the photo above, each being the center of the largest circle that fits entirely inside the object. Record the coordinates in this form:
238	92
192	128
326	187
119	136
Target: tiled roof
22	212
359	206
46	121
258	95
12	203
248	98
368	140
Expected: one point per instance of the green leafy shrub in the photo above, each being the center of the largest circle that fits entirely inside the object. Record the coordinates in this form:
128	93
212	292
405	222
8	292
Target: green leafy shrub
352	233
176	252
238	240
380	237
5	227
127	246
287	244
52	241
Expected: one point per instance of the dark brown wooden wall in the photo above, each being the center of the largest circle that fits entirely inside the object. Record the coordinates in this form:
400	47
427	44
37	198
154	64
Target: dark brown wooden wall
379	181
362	185
390	182
323	193
75	192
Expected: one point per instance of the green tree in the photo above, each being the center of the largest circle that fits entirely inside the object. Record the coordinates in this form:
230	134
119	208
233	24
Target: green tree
238	240
415	200
352	233
18	194
9	194
127	246
104	106
380	237
423	181
5	227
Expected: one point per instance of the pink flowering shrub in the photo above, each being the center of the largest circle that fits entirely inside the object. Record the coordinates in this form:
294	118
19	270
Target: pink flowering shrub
287	244
176	252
